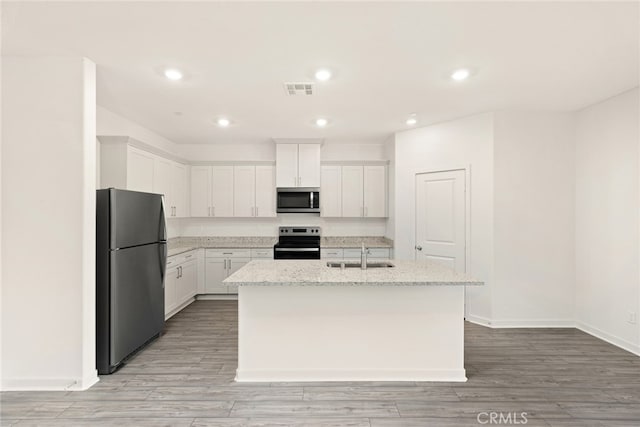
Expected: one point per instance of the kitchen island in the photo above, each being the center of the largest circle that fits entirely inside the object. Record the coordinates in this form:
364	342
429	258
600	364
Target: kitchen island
301	320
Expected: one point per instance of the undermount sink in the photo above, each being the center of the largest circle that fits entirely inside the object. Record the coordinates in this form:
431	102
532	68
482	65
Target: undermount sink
355	264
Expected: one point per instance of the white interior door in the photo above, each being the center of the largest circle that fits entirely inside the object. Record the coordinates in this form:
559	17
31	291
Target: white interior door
441	218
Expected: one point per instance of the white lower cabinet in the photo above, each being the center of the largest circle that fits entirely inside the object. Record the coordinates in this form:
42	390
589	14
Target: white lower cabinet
180	282
355	253
220	264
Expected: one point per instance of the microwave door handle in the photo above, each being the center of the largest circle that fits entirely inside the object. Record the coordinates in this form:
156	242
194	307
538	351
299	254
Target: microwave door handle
311	201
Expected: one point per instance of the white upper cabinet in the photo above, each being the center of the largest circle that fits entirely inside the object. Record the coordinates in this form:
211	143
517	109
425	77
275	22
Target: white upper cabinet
222	191
375	191
180	189
162	169
200	191
331	191
298	165
309	165
265	191
244	191
354	191
286	165
140	166
233	191
352	195
129	168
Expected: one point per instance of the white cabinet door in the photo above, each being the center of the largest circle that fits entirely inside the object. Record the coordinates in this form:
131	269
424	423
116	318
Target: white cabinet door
331	191
234	265
162	171
287	165
244	191
170	296
187	282
352	197
215	273
309	165
222	191
200	191
375	191
139	170
179	189
265	191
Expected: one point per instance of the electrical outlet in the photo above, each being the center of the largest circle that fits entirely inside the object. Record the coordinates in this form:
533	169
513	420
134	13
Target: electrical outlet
632	318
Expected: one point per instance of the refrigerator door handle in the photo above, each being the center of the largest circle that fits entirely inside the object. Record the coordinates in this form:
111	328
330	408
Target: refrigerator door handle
162	255
162	230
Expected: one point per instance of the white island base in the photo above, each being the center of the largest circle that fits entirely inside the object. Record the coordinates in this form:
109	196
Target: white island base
350	333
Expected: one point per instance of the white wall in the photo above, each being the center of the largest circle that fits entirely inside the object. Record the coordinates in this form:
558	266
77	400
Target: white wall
454	144
48	223
112	124
534	215
607	222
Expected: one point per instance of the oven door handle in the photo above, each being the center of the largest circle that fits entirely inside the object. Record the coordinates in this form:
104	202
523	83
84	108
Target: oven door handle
297	249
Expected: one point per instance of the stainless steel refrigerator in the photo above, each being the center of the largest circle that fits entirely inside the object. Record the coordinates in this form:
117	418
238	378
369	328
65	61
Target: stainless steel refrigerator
131	253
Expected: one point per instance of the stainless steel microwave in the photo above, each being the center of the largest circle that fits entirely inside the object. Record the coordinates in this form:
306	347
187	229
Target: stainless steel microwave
298	200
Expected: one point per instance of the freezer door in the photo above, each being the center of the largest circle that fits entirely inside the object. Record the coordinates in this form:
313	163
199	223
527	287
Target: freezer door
136	218
137	297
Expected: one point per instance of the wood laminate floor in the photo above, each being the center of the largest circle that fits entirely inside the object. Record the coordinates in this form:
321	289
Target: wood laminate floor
558	377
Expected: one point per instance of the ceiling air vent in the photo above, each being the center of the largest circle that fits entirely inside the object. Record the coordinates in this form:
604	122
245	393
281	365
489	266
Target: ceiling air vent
298	88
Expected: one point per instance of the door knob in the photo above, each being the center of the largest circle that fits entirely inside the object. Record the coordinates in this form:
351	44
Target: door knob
419	247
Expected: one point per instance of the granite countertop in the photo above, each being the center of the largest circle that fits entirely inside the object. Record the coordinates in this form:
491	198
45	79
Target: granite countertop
317	273
355	242
180	245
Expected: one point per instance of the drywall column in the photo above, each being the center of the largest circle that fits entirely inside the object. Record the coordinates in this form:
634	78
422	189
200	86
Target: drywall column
48	222
607	223
463	143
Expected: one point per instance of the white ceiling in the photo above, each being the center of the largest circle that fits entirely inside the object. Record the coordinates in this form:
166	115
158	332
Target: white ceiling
390	59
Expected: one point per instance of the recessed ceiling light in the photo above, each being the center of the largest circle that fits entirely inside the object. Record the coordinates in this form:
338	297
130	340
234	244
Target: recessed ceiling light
173	74
412	120
223	122
323	74
460	74
321	122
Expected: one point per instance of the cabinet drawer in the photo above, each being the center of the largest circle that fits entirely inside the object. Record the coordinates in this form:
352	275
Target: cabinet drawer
228	253
262	253
373	253
331	253
175	260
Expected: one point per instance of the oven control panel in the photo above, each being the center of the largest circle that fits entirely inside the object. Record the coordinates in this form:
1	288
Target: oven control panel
299	231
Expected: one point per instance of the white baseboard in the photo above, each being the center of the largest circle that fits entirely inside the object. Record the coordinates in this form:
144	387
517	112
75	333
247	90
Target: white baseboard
179	308
232	297
446	375
611	339
478	320
49	384
532	323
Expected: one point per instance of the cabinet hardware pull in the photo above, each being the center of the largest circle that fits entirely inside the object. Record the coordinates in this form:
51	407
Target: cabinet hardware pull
366	211
257	211
188	256
213	210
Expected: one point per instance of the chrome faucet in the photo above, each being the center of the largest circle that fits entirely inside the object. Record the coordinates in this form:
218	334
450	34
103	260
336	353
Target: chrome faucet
363	257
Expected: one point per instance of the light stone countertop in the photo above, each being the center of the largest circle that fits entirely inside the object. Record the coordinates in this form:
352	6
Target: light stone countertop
317	273
179	245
